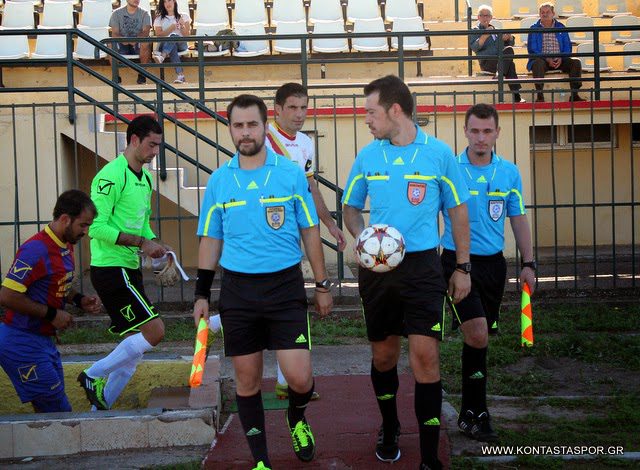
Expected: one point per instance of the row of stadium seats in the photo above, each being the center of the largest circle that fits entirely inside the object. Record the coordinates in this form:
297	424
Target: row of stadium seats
564	8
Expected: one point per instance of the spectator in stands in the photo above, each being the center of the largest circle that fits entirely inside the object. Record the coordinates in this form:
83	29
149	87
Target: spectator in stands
543	46
169	22
486	46
131	21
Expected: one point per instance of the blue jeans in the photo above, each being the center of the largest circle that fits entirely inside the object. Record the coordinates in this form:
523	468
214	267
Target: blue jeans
171	50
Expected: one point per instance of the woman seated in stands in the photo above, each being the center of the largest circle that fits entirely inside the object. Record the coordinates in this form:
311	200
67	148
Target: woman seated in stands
169	22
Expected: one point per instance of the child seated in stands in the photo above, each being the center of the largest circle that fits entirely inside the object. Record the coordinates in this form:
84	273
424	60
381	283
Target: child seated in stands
169	22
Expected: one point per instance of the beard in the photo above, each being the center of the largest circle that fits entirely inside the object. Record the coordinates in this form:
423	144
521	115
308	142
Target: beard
252	149
70	237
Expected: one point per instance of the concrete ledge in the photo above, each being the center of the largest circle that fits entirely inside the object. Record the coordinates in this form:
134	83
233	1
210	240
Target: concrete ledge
71	433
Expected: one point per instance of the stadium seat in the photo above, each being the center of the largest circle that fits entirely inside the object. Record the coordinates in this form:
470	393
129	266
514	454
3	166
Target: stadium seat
249	12
363	10
526	23
85	50
325	10
18	15
410	43
254	47
567	8
364	44
400	9
183	6
588	63
14	47
211	12
523	8
612	7
631	59
95	14
624	37
287	10
212	30
290	46
50	47
57	15
145	5
474	7
326	44
580	22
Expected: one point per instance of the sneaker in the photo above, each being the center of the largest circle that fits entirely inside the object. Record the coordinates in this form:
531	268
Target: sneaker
304	445
261	466
141	80
518	99
157	57
282	392
478	428
94	388
179	79
388	452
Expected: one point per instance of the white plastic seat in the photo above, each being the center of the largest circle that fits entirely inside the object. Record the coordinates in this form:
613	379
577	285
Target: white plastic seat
631	59
14	47
254	47
612	7
183	6
526	23
211	12
326	44
325	10
287	10
57	15
50	47
85	50
212	30
375	25
144	4
249	12
290	46
410	43
474	7
580	22
567	8
400	9
624	37
523	8
362	10
95	14
18	15
588	63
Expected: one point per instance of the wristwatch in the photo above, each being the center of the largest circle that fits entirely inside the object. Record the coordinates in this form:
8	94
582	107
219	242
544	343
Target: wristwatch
325	284
529	264
464	267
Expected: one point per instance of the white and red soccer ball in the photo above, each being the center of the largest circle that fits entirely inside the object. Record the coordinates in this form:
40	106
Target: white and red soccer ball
380	248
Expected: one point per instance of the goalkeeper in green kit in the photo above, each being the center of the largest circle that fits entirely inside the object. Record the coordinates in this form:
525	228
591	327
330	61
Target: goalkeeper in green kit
121	232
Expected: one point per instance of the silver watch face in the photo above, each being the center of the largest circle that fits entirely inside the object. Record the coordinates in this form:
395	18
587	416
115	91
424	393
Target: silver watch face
326	284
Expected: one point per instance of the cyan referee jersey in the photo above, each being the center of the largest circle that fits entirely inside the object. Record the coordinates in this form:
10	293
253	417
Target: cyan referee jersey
258	214
496	193
407	185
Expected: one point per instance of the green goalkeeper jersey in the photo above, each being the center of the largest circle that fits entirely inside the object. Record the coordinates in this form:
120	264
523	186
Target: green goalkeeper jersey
123	200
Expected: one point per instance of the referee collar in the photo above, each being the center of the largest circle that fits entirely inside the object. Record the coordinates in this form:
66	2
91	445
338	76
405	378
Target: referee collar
421	138
271	160
463	158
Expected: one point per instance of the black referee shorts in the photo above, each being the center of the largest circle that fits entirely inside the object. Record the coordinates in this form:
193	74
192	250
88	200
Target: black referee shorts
488	278
122	293
408	300
264	311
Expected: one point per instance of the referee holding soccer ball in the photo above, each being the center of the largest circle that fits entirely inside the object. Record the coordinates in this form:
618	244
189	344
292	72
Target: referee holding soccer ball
408	176
255	210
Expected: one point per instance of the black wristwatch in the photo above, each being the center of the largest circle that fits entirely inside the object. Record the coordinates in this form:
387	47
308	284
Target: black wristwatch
325	284
464	267
529	264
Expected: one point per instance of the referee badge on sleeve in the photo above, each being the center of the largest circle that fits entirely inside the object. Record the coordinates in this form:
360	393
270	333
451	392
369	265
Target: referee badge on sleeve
496	207
416	192
275	216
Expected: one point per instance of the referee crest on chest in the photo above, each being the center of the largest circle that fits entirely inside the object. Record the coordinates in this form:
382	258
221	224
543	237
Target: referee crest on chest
416	192
275	216
496	208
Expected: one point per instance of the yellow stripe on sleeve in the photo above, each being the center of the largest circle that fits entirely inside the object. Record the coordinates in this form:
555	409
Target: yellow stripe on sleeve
13	285
306	210
453	189
208	219
520	200
353	182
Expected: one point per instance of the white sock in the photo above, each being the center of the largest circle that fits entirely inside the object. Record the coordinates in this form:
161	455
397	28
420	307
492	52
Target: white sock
117	381
129	349
281	379
214	323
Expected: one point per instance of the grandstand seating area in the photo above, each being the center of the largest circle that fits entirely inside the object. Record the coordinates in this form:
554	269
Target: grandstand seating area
317	17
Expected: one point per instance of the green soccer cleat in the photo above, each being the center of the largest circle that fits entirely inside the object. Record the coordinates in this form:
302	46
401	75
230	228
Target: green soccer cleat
261	466
94	389
304	445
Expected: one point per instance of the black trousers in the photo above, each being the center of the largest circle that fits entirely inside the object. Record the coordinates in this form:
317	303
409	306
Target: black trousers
508	68
573	67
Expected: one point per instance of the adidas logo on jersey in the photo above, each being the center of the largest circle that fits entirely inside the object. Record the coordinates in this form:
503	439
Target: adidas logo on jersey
398	161
482	179
252	185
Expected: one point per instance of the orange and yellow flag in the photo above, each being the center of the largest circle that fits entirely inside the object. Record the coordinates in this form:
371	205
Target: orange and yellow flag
199	354
526	317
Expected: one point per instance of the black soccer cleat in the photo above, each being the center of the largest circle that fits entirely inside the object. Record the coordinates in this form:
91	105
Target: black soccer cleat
304	444
477	427
94	389
388	451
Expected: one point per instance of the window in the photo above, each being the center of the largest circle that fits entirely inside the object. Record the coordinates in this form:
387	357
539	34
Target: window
578	135
635	133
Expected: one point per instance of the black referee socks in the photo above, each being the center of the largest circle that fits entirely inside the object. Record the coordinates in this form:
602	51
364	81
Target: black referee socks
297	404
385	386
428	404
474	379
251	414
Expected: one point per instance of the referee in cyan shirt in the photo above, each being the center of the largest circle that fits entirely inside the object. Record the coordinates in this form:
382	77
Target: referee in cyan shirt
255	210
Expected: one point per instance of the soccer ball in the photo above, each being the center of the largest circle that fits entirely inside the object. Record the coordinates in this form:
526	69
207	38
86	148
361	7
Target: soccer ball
380	248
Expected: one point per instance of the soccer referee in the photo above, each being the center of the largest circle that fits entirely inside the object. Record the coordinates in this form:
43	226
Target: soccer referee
255	210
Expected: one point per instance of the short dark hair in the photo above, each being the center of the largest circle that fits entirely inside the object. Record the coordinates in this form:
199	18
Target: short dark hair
142	126
246	101
72	203
391	90
290	89
481	111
